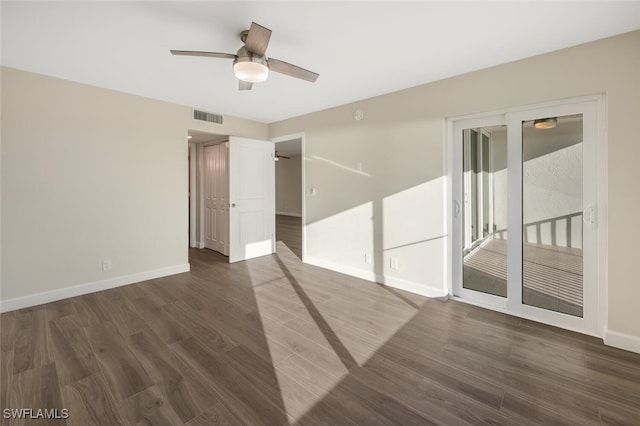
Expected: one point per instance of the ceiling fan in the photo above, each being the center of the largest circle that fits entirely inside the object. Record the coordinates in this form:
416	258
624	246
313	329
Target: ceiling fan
250	64
278	157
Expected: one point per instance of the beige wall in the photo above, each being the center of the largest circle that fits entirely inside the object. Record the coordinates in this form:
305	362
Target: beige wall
231	126
91	174
289	186
401	144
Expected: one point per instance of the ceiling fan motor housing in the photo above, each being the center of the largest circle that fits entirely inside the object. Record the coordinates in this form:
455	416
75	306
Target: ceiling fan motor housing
250	67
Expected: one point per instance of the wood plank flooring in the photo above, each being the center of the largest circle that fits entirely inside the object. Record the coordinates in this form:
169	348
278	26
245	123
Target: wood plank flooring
274	341
289	231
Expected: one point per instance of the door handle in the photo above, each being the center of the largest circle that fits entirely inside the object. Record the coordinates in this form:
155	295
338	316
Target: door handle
232	205
456	208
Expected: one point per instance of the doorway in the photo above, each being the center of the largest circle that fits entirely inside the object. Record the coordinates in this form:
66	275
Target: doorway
525	202
216	197
234	195
289	176
197	140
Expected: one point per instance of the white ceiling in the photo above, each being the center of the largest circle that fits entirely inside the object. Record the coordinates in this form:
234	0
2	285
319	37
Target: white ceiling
361	49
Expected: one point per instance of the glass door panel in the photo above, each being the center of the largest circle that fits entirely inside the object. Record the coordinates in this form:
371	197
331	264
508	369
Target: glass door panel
552	204
484	188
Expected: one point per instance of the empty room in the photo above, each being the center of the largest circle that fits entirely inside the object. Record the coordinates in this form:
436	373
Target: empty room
332	212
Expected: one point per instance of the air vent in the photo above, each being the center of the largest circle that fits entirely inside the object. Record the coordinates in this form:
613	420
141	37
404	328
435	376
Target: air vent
207	116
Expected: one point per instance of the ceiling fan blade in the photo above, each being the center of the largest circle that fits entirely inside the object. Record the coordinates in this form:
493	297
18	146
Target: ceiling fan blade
292	70
282	156
257	39
245	85
207	54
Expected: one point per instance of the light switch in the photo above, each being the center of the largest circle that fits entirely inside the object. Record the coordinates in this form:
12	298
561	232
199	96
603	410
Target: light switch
106	265
393	263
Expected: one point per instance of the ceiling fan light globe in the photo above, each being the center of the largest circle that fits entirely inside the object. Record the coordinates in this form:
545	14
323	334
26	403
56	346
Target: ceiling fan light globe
545	123
250	71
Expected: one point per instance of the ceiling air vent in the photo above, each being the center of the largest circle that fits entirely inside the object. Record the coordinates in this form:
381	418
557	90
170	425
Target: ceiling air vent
207	116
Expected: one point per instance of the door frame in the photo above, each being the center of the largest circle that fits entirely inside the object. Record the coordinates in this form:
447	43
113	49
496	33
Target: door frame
193	194
453	124
196	187
303	185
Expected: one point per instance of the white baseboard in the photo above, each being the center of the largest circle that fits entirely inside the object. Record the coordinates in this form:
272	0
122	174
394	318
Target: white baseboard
622	341
200	245
91	287
412	287
398	283
343	269
289	214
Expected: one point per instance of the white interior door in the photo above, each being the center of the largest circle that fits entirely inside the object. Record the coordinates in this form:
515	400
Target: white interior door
216	200
252	198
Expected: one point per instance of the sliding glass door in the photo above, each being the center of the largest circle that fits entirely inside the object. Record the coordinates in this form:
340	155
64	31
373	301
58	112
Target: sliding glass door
485	208
524	225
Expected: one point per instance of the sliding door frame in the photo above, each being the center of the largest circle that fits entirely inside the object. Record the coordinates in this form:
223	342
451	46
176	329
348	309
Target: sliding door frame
595	264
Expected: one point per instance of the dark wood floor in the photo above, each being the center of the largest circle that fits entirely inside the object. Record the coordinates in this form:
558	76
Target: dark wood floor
273	341
289	231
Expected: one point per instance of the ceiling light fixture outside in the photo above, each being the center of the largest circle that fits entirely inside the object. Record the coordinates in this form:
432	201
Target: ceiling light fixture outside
252	69
545	123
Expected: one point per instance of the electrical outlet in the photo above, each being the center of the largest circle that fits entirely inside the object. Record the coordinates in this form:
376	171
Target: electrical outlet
106	265
367	258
